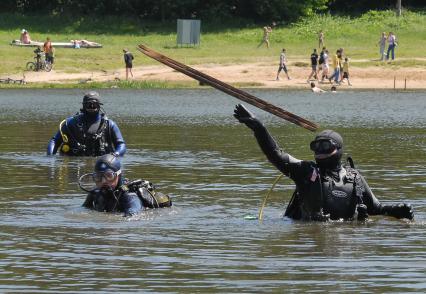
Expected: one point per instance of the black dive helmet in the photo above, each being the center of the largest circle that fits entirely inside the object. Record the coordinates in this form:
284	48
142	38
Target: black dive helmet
91	103
328	149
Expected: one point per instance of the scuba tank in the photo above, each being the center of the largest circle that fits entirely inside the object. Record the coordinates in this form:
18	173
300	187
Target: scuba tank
146	192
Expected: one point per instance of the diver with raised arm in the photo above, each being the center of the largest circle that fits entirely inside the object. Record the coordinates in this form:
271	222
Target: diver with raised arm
325	189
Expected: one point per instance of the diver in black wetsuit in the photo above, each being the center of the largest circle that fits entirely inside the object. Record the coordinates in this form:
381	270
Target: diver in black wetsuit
114	193
324	189
88	133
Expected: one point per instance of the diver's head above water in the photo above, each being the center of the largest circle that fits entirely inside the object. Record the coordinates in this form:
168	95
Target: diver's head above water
107	174
91	103
328	149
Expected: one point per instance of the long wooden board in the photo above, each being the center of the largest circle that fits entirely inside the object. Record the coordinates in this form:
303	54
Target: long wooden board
224	87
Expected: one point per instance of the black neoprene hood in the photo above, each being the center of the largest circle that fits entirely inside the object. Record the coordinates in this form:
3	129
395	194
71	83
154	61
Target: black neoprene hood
330	135
92	96
107	161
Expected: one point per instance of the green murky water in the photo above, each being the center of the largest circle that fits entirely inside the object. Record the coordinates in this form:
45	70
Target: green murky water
188	144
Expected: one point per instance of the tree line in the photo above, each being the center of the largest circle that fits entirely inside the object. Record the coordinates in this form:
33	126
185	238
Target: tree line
210	10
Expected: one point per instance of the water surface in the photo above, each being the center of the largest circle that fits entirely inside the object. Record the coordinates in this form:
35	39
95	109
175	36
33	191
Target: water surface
190	146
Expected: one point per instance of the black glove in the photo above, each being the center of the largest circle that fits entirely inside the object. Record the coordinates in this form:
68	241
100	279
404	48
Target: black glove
320	216
401	210
246	117
362	213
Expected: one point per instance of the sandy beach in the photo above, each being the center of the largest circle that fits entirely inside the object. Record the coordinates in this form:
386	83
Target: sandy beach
260	75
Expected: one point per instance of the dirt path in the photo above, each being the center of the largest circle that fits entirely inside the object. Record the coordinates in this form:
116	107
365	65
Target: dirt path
256	74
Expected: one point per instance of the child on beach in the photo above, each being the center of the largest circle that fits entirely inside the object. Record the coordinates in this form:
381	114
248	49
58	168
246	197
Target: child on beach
128	60
346	71
267	30
320	39
282	66
382	44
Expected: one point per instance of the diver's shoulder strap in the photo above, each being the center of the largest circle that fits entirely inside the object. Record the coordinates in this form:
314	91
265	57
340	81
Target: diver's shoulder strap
354	176
102	126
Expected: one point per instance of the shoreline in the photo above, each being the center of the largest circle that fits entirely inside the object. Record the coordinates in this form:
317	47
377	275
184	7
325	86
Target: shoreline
245	75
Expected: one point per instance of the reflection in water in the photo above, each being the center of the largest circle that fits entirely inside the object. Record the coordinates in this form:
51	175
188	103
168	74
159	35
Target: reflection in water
187	143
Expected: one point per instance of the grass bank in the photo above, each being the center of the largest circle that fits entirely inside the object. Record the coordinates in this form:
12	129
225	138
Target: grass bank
235	44
116	85
104	85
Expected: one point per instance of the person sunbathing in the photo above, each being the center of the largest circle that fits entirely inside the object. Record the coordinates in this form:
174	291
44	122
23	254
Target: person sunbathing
25	37
79	43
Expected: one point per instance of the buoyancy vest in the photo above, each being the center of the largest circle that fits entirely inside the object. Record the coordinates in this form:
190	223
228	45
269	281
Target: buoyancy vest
337	195
110	201
147	194
341	195
81	139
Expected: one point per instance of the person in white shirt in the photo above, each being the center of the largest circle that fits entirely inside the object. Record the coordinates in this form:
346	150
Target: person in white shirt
282	66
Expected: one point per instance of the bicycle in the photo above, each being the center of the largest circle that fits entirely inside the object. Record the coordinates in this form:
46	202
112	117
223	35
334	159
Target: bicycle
39	64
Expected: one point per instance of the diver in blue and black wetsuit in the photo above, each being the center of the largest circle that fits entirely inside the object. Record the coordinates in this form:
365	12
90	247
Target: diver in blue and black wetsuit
88	133
114	193
324	189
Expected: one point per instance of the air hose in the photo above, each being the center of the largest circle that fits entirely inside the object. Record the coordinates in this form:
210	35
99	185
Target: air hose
260	216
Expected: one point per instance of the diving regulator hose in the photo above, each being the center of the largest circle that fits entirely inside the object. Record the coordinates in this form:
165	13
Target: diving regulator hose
260	216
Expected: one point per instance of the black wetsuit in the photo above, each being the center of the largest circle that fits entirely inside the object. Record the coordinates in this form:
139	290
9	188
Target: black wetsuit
318	190
114	201
128	197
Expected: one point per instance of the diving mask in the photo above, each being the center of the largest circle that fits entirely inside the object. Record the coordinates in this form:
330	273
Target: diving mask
108	175
323	146
91	106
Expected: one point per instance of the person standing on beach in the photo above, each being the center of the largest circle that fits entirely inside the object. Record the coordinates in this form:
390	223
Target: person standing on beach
382	44
320	39
128	60
392	44
283	61
336	67
267	30
314	66
346	71
325	67
49	51
341	56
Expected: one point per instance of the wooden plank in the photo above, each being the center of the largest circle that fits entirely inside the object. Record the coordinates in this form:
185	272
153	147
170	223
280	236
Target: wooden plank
226	88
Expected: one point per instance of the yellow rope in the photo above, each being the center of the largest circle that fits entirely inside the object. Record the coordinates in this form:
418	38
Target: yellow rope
266	197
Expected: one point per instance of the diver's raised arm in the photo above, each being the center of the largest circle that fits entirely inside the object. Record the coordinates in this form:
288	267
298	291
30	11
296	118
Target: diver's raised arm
280	159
